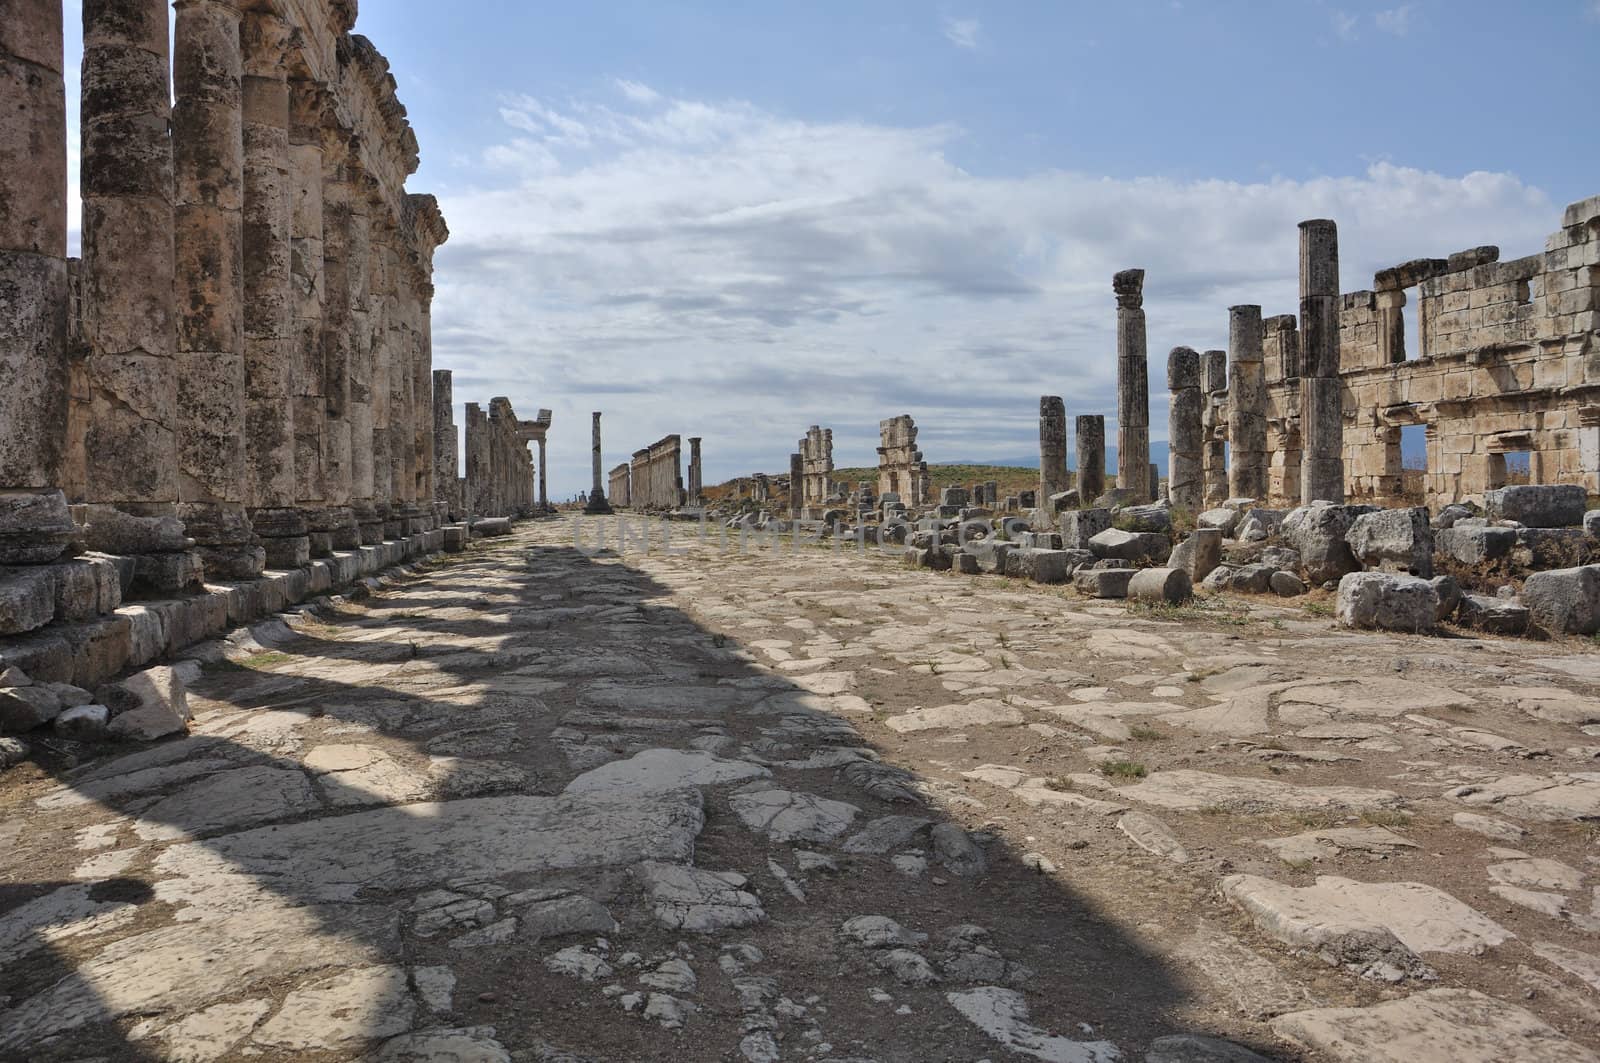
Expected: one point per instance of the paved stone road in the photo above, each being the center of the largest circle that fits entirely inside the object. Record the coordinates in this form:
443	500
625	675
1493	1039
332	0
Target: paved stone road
531	804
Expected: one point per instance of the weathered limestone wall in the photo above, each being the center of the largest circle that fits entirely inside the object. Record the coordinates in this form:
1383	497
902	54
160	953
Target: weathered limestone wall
656	479
621	495
901	467
816	467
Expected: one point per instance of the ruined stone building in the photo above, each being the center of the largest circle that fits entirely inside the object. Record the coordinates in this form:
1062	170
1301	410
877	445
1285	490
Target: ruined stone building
816	467
1506	367
901	467
656	477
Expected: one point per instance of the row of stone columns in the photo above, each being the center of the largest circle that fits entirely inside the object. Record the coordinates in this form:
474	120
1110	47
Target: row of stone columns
249	364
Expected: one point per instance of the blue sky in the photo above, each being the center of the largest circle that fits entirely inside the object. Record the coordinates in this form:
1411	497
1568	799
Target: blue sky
737	220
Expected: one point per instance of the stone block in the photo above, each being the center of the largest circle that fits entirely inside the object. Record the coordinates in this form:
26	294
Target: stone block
1496	616
27	599
1170	585
1103	582
1155	517
1393	540
1455	511
455	538
1062	501
147	633
83	723
964	563
1078	526
1130	546
319	577
1389	601
167	573
24	708
100	649
146	705
1243	579
111	531
1039	566
1286	584
1591	523
1257	524
1318	532
285	554
35	527
1560	602
1538	505
1551	547
1198	554
86	587
492	526
1039	540
1224	520
45	656
989	554
1449	592
1474	544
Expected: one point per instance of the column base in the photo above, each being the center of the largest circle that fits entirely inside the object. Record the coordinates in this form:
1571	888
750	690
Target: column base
346	530
35	527
320	525
225	539
132	528
168	572
597	504
370	521
282	536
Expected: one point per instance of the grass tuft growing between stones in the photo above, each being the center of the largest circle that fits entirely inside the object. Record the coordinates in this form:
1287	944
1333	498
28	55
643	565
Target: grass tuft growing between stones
1123	769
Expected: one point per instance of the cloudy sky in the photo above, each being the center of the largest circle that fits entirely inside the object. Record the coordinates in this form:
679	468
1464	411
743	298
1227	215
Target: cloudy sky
738	220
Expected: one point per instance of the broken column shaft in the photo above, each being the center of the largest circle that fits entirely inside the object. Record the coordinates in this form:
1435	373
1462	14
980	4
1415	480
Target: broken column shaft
696	474
1133	384
1090	431
1185	430
1052	454
1214	385
1321	413
1247	404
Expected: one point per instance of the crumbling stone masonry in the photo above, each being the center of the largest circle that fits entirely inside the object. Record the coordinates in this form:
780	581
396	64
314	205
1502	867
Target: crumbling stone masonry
1247	397
656	479
1185	430
1133	383
1089	431
816	460
237	373
621	492
901	467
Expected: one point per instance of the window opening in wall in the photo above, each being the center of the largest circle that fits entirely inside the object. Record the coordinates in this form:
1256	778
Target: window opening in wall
1414	463
1509	468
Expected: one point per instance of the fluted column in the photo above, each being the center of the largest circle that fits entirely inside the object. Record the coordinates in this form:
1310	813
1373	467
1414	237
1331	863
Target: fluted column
1321	410
1090	433
34	524
381	229
1185	430
477	461
308	115
359	265
268	296
208	166
1133	384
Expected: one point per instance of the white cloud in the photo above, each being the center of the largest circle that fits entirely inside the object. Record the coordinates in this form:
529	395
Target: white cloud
712	268
636	92
1344	25
1397	21
962	32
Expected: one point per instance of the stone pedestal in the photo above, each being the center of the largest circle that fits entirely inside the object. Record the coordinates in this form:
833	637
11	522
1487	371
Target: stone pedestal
1090	433
1133	382
1247	404
1185	430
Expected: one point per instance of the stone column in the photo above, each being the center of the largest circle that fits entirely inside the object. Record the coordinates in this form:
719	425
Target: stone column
124	413
402	395
268	318
379	310
544	484
597	496
361	357
1185	430
208	216
1090	431
1321	404
1214	383
34	523
1052	456
444	439
1247	404
1133	383
696	474
308	116
476	467
797	492
340	190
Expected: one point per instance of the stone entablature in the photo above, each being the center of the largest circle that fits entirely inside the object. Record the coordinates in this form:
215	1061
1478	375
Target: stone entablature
656	476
